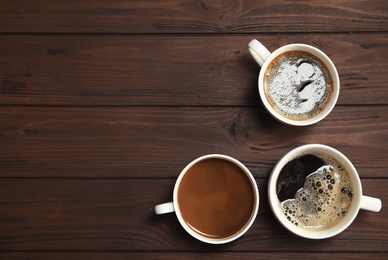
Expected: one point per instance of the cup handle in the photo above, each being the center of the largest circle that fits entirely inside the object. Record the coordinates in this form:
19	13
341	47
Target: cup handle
371	204
164	208
258	51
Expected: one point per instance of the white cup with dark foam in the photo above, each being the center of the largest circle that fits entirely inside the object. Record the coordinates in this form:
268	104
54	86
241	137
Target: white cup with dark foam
298	83
315	192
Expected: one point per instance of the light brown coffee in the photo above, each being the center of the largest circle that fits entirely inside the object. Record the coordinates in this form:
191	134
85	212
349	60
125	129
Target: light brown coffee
216	198
298	85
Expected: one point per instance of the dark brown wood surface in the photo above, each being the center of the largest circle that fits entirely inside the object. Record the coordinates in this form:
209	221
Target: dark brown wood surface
207	70
102	104
201	16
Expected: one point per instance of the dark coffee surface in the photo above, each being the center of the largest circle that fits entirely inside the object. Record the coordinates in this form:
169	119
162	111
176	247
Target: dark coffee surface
216	198
293	175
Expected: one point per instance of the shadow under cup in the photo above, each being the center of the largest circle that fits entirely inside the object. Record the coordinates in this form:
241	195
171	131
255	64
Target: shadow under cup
345	220
216	199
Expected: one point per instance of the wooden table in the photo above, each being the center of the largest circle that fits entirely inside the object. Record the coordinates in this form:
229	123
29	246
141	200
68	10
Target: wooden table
102	104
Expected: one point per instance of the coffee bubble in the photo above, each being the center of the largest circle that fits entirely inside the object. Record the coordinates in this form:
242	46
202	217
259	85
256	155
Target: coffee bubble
324	199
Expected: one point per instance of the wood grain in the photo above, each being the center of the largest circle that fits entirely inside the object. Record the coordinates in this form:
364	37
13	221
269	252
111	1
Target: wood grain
194	255
204	16
159	142
102	104
171	70
114	214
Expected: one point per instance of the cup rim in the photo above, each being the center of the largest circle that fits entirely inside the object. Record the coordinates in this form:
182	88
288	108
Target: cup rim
247	225
333	72
356	199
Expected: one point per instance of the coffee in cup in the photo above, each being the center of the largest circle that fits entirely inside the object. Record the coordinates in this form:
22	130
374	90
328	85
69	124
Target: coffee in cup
315	192
298	83
215	199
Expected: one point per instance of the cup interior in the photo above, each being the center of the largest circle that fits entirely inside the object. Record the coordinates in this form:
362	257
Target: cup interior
247	224
275	202
330	66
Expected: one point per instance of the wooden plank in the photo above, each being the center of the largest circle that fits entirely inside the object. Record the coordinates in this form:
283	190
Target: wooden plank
114	214
203	16
211	254
171	70
159	142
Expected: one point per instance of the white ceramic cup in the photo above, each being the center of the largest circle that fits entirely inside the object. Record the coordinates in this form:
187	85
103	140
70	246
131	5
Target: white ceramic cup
359	201
264	58
174	206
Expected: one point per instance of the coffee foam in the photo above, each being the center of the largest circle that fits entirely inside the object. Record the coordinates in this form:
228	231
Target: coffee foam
324	199
298	85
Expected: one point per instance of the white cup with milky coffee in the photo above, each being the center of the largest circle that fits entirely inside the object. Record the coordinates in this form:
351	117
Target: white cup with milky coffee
215	199
315	192
298	84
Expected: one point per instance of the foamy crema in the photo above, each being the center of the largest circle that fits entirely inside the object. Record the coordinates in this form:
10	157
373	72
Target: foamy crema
298	85
343	172
324	200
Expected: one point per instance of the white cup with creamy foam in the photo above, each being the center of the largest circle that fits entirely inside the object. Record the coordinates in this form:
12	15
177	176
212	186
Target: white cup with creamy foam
320	207
215	199
298	84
